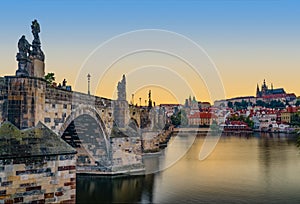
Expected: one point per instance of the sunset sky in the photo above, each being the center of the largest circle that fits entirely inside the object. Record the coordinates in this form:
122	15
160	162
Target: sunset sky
247	41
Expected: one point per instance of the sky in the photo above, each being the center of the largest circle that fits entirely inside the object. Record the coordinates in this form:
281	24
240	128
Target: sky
241	42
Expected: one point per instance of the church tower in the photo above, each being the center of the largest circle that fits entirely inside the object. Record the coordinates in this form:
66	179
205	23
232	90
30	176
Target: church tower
264	88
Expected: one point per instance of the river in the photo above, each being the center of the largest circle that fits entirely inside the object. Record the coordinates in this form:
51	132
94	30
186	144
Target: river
261	168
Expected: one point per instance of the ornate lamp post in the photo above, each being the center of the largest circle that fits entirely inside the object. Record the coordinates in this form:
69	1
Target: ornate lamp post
89	80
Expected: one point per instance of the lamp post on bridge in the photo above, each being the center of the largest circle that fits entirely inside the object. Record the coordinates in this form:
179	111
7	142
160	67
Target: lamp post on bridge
89	80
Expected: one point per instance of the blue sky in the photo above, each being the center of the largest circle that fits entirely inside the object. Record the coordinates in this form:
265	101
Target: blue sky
260	38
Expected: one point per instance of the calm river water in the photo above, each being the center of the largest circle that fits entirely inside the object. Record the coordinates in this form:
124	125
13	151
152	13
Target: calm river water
256	169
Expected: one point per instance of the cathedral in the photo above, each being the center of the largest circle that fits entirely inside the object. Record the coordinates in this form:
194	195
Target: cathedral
265	91
269	94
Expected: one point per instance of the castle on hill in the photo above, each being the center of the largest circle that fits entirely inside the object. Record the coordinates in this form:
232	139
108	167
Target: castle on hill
267	93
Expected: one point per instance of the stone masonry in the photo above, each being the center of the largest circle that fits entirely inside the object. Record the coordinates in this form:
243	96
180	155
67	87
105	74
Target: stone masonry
35	166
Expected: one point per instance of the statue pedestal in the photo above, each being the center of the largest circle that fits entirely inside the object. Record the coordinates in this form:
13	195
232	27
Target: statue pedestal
21	72
38	68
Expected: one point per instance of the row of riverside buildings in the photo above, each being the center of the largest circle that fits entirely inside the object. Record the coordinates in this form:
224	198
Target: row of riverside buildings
254	116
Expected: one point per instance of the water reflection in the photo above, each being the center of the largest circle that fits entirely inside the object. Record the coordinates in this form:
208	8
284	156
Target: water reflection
117	190
256	169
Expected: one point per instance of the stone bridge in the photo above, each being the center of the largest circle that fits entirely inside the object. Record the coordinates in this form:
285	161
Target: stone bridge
106	133
84	121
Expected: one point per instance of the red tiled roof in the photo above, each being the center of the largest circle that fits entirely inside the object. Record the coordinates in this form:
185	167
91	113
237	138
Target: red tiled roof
290	109
203	115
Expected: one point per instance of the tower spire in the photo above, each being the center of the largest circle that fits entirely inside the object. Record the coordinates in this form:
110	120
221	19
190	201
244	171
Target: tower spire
149	100
257	91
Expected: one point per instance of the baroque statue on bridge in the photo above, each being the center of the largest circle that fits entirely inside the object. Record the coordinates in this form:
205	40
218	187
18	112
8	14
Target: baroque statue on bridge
23	56
35	27
122	89
23	45
36	43
31	57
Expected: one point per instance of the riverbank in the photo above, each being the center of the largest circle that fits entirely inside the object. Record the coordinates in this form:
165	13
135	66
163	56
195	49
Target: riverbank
208	130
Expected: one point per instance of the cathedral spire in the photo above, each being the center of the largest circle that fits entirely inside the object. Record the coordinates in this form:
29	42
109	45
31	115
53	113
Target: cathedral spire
257	91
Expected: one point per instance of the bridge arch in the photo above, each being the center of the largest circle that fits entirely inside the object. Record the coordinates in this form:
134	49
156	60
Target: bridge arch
84	130
81	110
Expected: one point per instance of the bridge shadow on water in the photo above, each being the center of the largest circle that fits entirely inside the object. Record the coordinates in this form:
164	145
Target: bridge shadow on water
137	189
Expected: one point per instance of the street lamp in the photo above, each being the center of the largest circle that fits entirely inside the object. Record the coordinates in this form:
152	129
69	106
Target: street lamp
89	80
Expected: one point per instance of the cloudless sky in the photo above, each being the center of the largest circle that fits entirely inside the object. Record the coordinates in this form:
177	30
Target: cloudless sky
247	40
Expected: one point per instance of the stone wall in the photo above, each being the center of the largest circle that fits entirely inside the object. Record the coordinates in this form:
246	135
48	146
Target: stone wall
25	101
150	141
3	99
29	101
35	166
121	113
60	104
135	113
43	179
126	154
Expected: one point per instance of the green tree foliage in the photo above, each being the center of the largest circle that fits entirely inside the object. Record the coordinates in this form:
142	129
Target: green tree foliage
50	78
247	120
241	105
295	119
175	120
261	103
180	118
273	104
276	104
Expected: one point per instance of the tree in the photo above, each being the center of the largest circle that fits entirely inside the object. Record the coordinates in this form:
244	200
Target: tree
230	104
277	104
249	122
295	119
183	118
260	103
180	118
50	78
175	120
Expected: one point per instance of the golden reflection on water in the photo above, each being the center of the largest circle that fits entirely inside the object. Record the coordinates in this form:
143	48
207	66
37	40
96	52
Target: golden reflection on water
239	167
255	169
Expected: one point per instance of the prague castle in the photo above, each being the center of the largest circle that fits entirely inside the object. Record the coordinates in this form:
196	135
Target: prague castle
267	93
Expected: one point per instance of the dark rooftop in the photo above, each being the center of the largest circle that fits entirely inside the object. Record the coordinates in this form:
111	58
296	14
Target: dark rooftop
38	141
